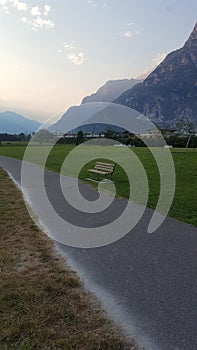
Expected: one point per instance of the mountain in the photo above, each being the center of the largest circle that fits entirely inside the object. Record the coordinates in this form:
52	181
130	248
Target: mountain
170	91
74	117
76	114
13	123
111	90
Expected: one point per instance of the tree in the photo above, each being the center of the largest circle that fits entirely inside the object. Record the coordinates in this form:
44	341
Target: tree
43	136
21	136
80	138
109	134
184	127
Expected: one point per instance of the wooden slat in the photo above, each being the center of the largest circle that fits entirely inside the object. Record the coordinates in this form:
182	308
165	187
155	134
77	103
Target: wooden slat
109	164
104	167
99	171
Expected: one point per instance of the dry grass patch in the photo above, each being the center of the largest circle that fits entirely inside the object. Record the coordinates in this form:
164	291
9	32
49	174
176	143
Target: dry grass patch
42	303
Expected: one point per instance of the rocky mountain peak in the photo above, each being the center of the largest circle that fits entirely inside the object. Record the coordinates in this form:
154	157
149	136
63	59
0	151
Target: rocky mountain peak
192	41
170	91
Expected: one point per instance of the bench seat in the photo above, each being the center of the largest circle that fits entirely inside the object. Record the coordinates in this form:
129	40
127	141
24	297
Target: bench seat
103	168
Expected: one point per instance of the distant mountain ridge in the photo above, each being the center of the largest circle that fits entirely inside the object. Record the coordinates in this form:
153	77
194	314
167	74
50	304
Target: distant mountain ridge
111	90
107	93
13	123
170	91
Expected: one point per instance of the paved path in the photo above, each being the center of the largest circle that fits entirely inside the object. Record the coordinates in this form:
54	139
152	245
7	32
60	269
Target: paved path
145	281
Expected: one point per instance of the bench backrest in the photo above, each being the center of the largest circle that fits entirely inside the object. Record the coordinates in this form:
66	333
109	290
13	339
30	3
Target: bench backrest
105	166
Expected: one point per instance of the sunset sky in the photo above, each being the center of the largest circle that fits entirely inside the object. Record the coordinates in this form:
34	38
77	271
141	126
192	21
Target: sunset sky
55	52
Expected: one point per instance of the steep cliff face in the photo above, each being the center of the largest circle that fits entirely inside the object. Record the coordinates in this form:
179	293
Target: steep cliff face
170	91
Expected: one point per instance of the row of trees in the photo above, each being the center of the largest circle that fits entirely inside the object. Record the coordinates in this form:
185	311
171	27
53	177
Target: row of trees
14	137
175	140
44	136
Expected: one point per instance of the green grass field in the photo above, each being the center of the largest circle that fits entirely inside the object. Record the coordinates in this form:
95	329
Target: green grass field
184	206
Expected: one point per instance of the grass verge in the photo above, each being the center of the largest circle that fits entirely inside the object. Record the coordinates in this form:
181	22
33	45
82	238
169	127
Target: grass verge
42	303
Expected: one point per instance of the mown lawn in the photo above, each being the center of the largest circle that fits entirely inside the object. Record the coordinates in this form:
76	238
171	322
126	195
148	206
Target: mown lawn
184	206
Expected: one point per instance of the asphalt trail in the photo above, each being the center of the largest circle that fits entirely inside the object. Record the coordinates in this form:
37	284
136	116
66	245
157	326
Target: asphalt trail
146	282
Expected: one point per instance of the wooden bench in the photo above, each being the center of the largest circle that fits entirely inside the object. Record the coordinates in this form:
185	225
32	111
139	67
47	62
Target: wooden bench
103	169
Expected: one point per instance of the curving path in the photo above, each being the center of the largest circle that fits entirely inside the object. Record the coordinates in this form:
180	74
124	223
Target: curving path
146	282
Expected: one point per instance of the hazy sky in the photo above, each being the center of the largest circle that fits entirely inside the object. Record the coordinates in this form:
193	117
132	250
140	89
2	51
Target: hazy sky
55	52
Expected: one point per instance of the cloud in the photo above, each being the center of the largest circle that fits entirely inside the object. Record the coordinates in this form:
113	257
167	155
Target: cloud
70	46
156	61
35	11
3	6
24	19
129	31
95	3
33	15
72	53
76	58
42	23
47	9
20	5
127	34
158	58
144	74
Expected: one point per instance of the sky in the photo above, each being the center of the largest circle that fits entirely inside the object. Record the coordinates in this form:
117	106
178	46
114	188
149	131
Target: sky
55	52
